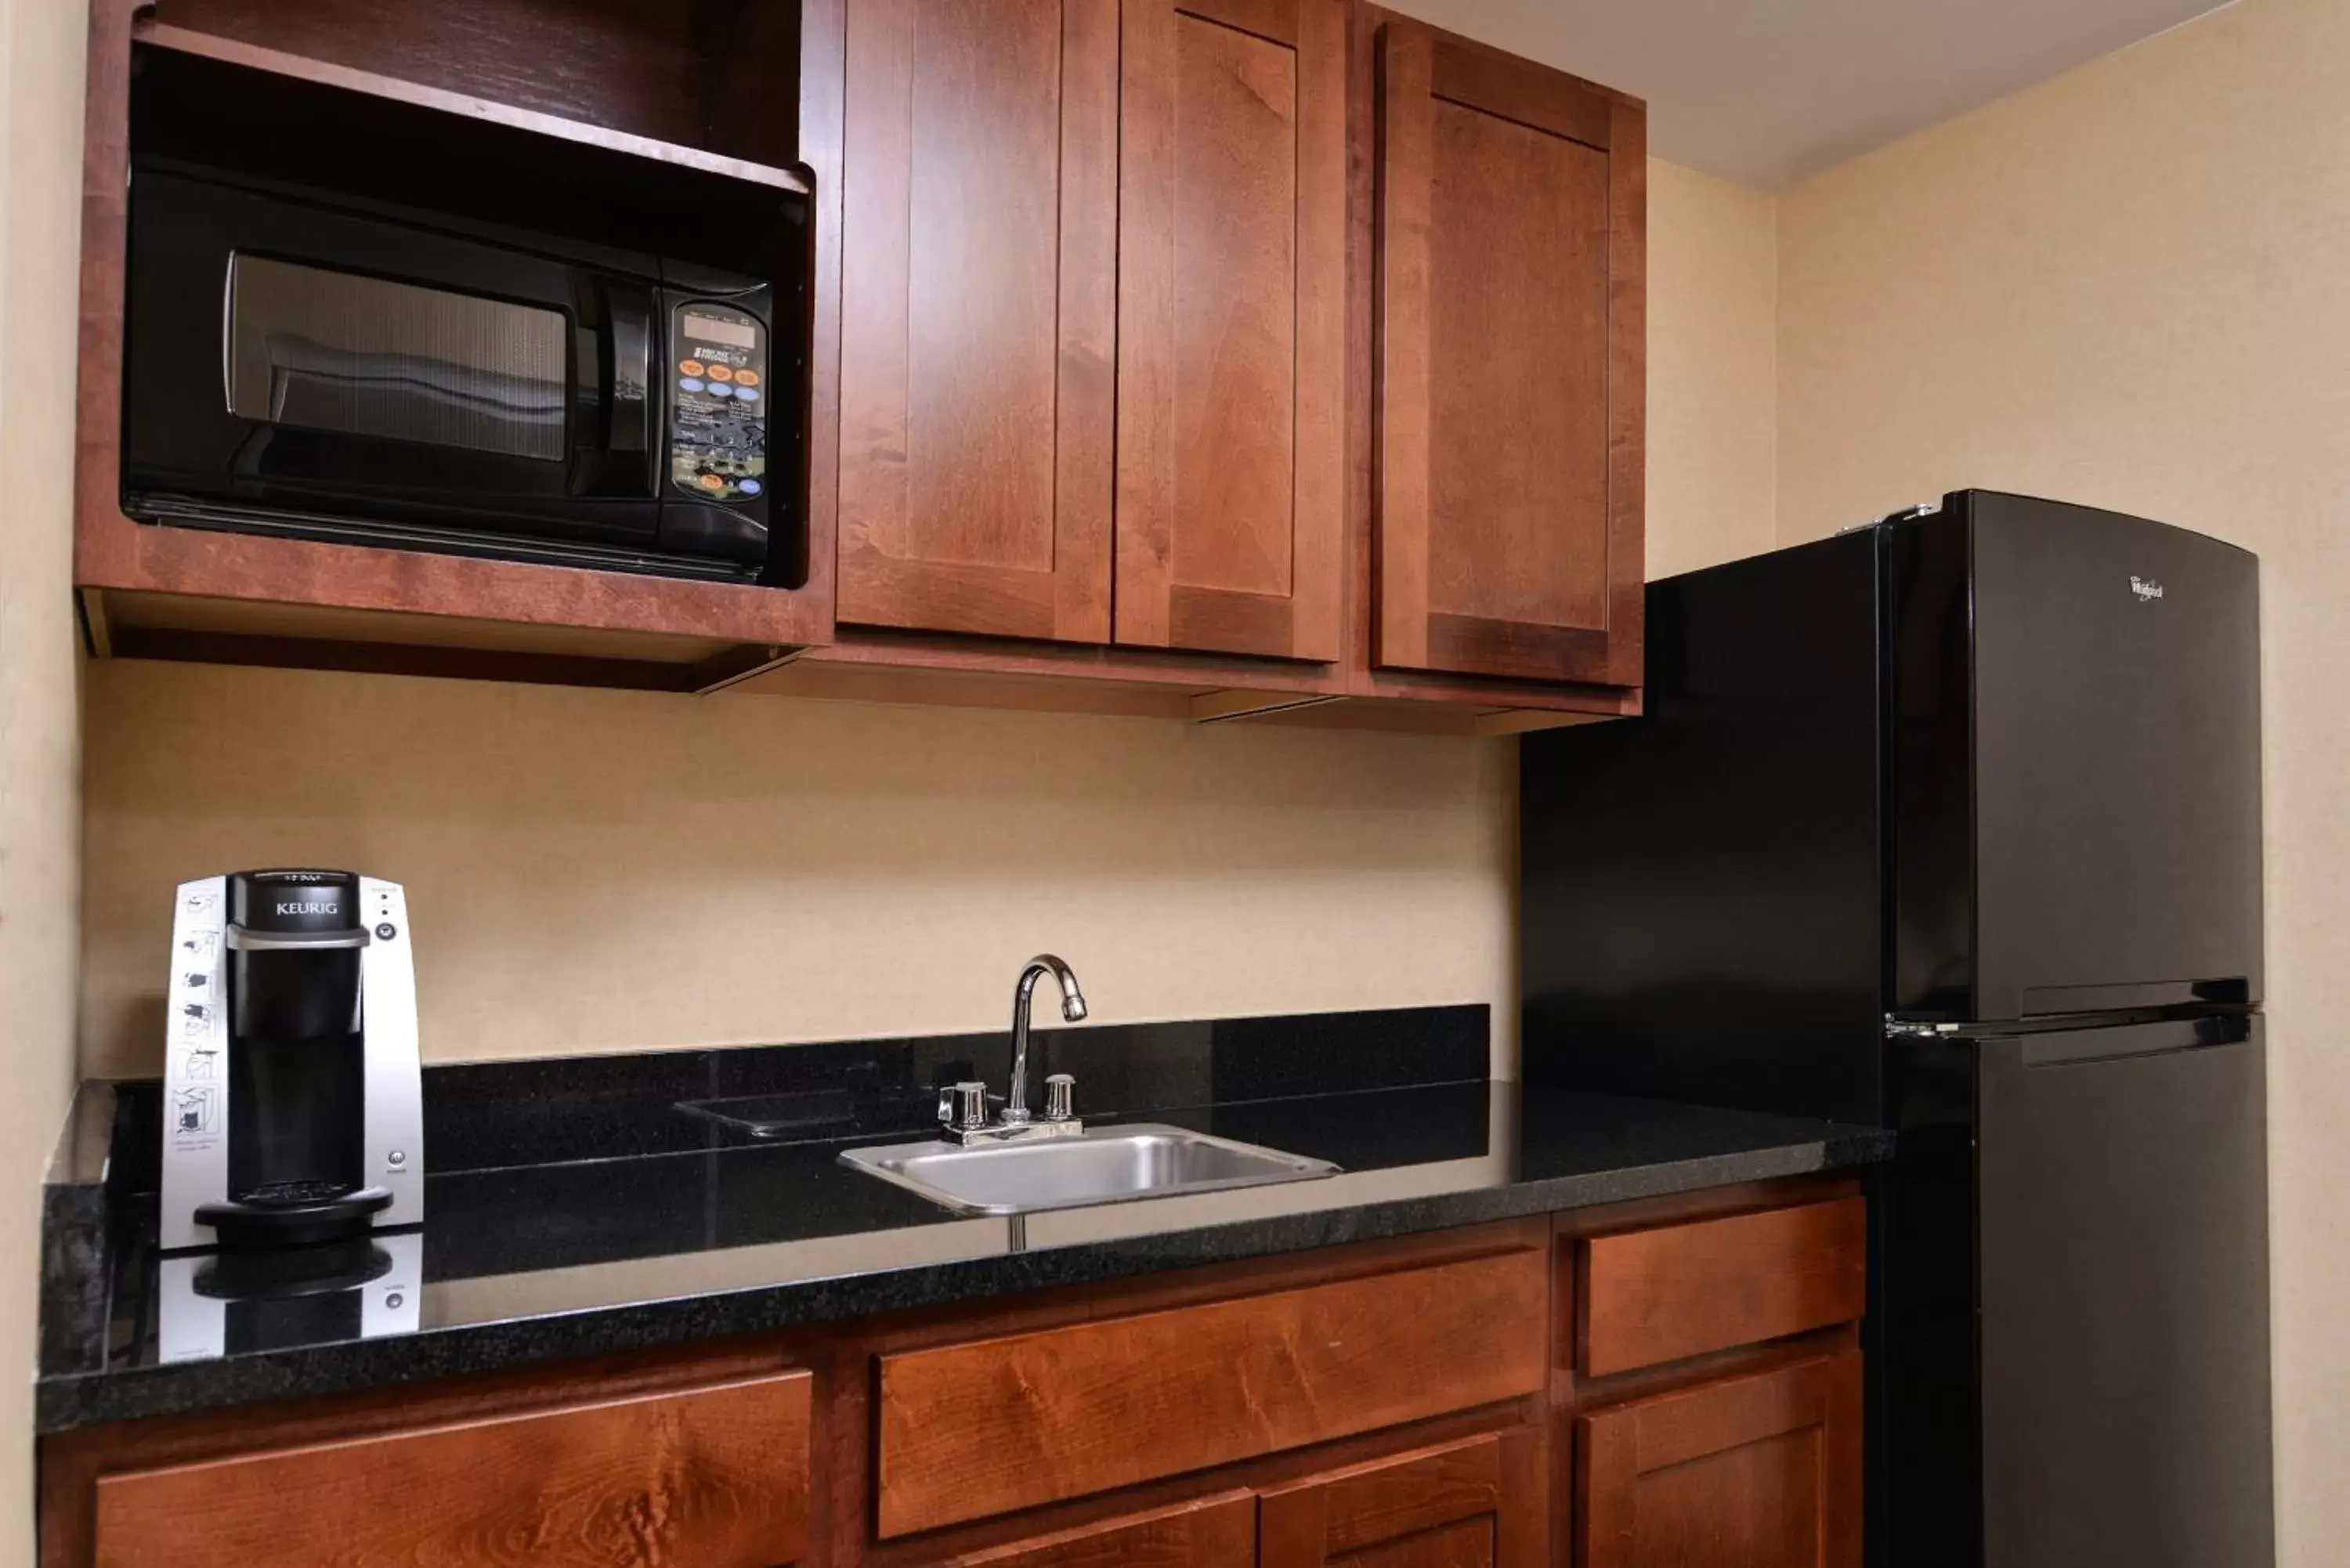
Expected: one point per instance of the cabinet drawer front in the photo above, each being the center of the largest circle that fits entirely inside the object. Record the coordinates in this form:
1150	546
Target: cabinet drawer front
970	1430
1213	1532
1679	1290
716	1476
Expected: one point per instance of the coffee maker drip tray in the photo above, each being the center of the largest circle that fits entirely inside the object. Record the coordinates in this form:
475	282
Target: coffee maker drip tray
294	1213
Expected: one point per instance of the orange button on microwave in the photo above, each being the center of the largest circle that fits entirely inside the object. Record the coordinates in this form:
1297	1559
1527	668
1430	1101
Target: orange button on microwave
747	378
722	373
688	366
713	482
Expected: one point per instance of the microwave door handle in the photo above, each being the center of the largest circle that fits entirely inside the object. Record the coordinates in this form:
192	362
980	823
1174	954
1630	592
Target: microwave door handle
630	347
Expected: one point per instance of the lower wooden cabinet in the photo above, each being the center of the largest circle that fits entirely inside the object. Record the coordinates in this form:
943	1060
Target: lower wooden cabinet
1572	1389
717	1476
987	1426
1474	1503
1754	1471
1217	1531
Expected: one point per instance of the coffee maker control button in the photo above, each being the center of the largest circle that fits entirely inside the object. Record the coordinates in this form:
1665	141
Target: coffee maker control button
386	931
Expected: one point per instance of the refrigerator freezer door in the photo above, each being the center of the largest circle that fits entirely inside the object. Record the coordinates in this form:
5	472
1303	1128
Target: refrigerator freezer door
2123	1205
2116	769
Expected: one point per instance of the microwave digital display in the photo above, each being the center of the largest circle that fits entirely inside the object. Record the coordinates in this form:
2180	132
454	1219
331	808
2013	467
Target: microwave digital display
734	333
321	349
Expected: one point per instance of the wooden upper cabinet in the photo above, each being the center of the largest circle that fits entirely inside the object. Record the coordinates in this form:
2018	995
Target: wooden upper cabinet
979	315
1475	1503
1759	1471
1094	287
1510	335
1232	299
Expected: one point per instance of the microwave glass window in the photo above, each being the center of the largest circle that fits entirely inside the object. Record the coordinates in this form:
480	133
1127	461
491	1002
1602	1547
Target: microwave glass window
335	351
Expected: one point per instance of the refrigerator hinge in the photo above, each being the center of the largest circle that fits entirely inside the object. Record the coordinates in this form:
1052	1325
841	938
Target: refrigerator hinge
1907	513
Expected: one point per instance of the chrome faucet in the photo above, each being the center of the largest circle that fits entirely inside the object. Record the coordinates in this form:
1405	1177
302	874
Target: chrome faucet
1073	1008
963	1108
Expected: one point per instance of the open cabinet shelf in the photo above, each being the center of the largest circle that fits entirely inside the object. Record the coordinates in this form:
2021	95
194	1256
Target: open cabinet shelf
707	87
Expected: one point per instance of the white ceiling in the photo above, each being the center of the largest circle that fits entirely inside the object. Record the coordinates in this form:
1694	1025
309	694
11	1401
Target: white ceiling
1767	92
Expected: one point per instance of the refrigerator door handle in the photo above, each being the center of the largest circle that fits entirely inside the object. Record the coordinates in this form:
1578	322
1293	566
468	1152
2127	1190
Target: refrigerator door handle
2170	1038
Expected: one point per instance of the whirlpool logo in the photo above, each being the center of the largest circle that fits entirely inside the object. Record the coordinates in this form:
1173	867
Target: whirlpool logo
2146	588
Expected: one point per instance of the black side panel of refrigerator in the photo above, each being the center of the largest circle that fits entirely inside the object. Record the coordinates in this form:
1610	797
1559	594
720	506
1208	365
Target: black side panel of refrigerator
1930	768
2118	761
2122	1178
1700	909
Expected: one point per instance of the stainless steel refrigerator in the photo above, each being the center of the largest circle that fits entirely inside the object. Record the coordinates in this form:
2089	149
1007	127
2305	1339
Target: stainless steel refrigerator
1953	823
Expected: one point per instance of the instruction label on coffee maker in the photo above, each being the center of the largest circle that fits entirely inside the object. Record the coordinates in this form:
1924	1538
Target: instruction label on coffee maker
195	1062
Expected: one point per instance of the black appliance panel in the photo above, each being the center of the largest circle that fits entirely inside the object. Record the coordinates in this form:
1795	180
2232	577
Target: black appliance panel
2073	757
2124	1313
287	357
410	327
2117	768
1699	905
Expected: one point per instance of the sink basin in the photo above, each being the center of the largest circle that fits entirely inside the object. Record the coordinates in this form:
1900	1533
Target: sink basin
1104	1164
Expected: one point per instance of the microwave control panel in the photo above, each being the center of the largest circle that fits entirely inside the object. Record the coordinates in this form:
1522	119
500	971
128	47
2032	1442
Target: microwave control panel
718	402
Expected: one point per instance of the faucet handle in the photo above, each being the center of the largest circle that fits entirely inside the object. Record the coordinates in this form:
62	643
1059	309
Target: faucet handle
1060	1091
969	1111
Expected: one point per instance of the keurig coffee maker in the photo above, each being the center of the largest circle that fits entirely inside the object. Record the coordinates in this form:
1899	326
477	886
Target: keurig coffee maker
293	1106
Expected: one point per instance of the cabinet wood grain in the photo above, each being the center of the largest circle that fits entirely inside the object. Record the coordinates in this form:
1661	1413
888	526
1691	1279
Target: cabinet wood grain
978	316
1217	1531
970	1430
1762	1471
715	1477
1510	395
1232	327
1478	1501
1678	1290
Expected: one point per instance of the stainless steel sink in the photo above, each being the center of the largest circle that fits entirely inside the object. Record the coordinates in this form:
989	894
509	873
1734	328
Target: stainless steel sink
1102	1165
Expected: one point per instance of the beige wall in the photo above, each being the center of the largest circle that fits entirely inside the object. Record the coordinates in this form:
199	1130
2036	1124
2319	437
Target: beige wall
2128	287
599	871
40	136
1713	349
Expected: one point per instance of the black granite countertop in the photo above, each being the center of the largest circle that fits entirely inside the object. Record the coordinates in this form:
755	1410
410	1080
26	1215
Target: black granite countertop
574	1209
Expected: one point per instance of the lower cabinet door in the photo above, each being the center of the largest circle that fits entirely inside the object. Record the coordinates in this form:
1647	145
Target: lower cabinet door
1475	1503
1214	1532
1759	1471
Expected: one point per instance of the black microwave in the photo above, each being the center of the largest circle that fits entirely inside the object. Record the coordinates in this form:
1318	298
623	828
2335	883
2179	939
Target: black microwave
317	362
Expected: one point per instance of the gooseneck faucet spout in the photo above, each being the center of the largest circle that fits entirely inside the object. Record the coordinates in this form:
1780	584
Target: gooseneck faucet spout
1073	1008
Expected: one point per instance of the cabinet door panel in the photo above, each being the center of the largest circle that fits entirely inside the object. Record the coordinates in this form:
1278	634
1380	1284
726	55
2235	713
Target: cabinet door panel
1761	1471
718	1477
1475	1503
1232	255
1509	397
1214	1532
978	316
